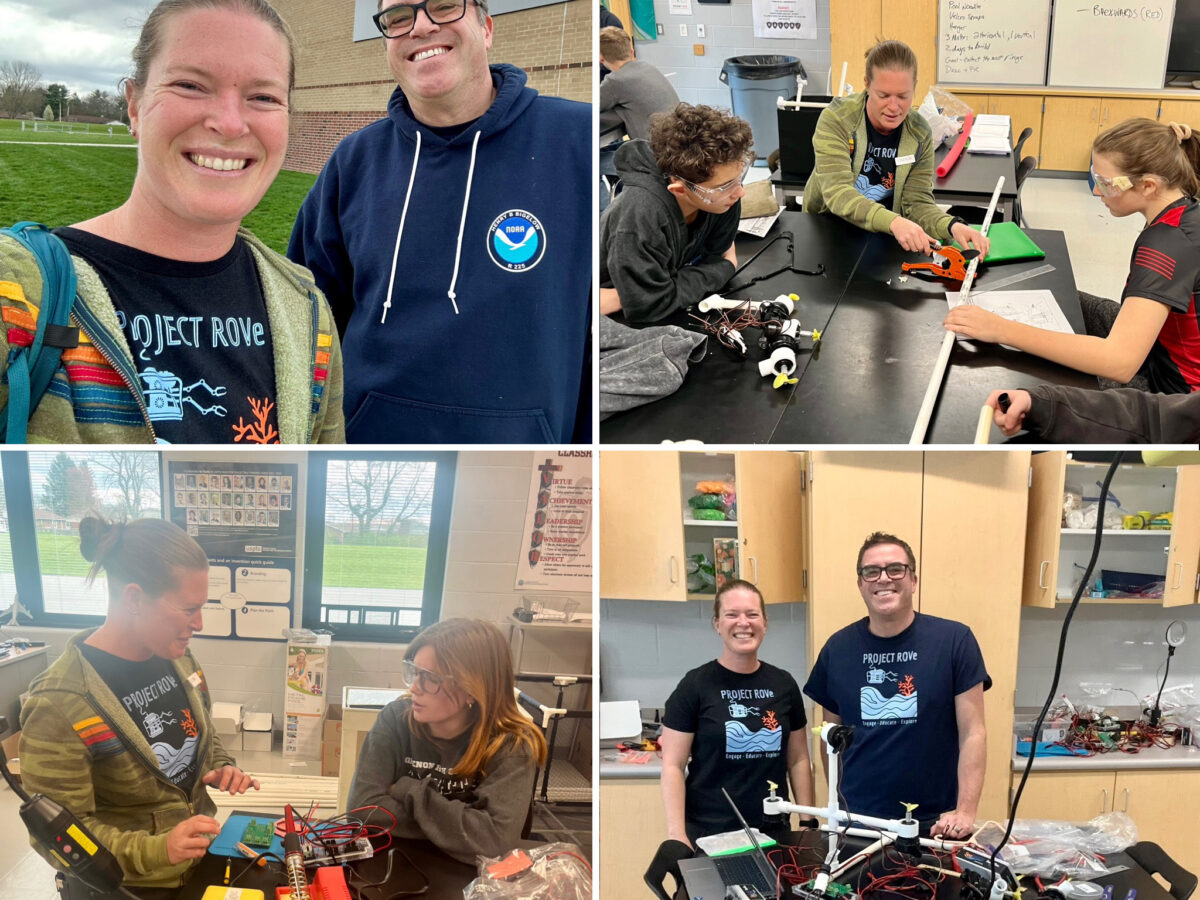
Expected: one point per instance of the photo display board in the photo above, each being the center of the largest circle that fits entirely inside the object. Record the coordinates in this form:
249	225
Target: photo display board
244	516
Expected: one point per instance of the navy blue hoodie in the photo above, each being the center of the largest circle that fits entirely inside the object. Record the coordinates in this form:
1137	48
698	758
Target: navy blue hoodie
481	333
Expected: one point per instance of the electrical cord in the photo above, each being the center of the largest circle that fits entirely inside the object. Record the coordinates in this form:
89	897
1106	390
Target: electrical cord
1062	644
790	267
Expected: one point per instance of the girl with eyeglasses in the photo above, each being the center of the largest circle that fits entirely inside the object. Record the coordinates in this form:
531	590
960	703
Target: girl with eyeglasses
1151	338
454	761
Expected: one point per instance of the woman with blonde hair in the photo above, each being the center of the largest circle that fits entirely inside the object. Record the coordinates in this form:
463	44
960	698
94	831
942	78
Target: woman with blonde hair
118	729
455	760
1151	338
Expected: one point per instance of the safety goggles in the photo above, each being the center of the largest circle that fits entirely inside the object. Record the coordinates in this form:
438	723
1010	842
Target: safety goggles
1110	187
411	674
710	194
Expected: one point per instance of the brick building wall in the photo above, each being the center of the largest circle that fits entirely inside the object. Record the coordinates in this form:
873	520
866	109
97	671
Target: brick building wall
342	85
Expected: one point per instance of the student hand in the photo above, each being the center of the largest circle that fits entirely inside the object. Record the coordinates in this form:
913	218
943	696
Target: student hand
975	323
954	826
1019	403
610	301
190	838
911	236
970	239
230	779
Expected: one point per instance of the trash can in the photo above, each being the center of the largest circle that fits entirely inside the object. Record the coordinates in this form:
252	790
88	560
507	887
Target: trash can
755	83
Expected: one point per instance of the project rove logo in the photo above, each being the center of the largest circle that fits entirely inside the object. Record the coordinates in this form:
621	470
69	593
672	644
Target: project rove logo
516	240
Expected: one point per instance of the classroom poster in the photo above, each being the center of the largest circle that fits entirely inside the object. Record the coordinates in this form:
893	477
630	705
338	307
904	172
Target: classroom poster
790	19
556	546
244	516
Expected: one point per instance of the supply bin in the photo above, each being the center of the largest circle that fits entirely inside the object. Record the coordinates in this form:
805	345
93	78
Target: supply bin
755	83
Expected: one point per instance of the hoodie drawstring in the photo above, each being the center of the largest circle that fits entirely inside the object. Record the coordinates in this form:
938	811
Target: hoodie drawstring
387	304
463	224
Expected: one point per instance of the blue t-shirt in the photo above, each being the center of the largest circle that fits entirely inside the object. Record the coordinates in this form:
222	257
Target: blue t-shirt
877	179
898	693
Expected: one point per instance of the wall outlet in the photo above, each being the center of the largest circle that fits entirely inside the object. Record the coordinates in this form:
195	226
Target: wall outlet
659	27
698	49
683	30
699	31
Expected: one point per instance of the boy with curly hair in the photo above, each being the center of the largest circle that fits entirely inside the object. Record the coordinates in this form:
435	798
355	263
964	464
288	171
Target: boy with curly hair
666	241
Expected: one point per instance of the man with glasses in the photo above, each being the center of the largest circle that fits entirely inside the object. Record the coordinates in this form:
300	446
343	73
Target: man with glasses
453	239
912	686
666	241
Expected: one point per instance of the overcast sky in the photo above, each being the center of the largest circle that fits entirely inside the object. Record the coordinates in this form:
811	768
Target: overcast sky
83	44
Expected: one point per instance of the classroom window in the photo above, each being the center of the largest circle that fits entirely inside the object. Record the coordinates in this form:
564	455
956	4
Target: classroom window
46	495
375	570
8	581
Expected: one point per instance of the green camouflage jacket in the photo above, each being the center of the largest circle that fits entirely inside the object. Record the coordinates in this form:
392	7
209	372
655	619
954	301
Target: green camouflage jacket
80	747
95	395
840	144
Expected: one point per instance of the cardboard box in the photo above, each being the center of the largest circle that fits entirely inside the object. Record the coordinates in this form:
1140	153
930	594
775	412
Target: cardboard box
331	758
258	732
227	719
333	724
10	745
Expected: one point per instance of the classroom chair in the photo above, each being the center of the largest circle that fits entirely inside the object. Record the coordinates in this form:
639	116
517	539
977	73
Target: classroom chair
666	862
973	215
1154	860
1025	135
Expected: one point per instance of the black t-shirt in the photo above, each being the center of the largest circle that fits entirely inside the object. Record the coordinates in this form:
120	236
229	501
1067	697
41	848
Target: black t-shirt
152	695
200	338
877	180
1165	266
740	726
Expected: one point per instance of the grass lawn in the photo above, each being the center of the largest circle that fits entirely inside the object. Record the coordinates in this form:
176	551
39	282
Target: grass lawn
10	130
347	565
61	185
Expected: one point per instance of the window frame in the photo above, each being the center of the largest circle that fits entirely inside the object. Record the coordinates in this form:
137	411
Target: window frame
432	591
22	527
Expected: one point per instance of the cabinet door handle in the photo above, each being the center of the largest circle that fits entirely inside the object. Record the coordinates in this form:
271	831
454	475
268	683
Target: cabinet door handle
1126	809
1107	113
1178	576
1042	574
1092	115
673	569
754	559
1103	800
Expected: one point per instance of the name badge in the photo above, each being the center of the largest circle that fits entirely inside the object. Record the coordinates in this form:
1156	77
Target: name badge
905	160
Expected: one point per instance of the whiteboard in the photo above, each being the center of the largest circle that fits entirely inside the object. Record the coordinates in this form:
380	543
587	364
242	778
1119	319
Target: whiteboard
1112	43
990	42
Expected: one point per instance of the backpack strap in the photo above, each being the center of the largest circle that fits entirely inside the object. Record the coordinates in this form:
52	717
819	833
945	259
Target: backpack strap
31	369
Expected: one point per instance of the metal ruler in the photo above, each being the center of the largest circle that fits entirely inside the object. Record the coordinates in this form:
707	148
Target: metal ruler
1015	279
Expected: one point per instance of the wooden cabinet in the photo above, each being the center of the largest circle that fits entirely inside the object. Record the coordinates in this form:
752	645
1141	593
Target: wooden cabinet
981	495
1161	802
1180	111
647	531
632	825
1070	124
1025	112
641	540
1055	556
855	26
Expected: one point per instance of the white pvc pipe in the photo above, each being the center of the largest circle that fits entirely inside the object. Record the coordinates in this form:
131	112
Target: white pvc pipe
983	428
939	368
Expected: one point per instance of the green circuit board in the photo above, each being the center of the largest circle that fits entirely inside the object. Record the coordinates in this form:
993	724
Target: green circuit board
258	834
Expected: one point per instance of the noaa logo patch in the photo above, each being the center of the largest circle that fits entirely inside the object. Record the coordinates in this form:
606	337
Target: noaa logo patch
516	240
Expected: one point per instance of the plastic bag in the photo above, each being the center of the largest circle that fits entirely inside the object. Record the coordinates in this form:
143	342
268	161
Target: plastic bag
700	576
945	114
1050	848
555	871
707	501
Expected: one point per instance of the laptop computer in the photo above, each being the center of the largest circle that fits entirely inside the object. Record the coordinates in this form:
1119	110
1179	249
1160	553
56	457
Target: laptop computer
709	876
796	127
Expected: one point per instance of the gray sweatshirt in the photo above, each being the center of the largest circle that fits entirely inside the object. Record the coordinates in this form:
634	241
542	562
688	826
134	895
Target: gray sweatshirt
629	96
1110	417
410	778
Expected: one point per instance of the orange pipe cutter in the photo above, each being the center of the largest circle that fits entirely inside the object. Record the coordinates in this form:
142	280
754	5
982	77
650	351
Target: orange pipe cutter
953	265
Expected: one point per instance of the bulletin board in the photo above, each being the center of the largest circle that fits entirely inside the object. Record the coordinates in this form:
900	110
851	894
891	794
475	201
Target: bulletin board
244	516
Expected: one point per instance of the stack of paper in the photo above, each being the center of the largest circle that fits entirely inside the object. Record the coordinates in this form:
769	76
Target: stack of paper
990	134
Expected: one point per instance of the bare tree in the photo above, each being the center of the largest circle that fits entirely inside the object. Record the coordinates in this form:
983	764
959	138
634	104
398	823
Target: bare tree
371	489
134	475
19	81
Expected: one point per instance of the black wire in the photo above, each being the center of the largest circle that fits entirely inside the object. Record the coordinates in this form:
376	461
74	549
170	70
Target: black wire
1062	645
266	854
790	267
1170	653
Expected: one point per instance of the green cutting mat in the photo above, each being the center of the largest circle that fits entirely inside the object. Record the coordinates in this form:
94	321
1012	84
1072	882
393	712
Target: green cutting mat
1009	242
